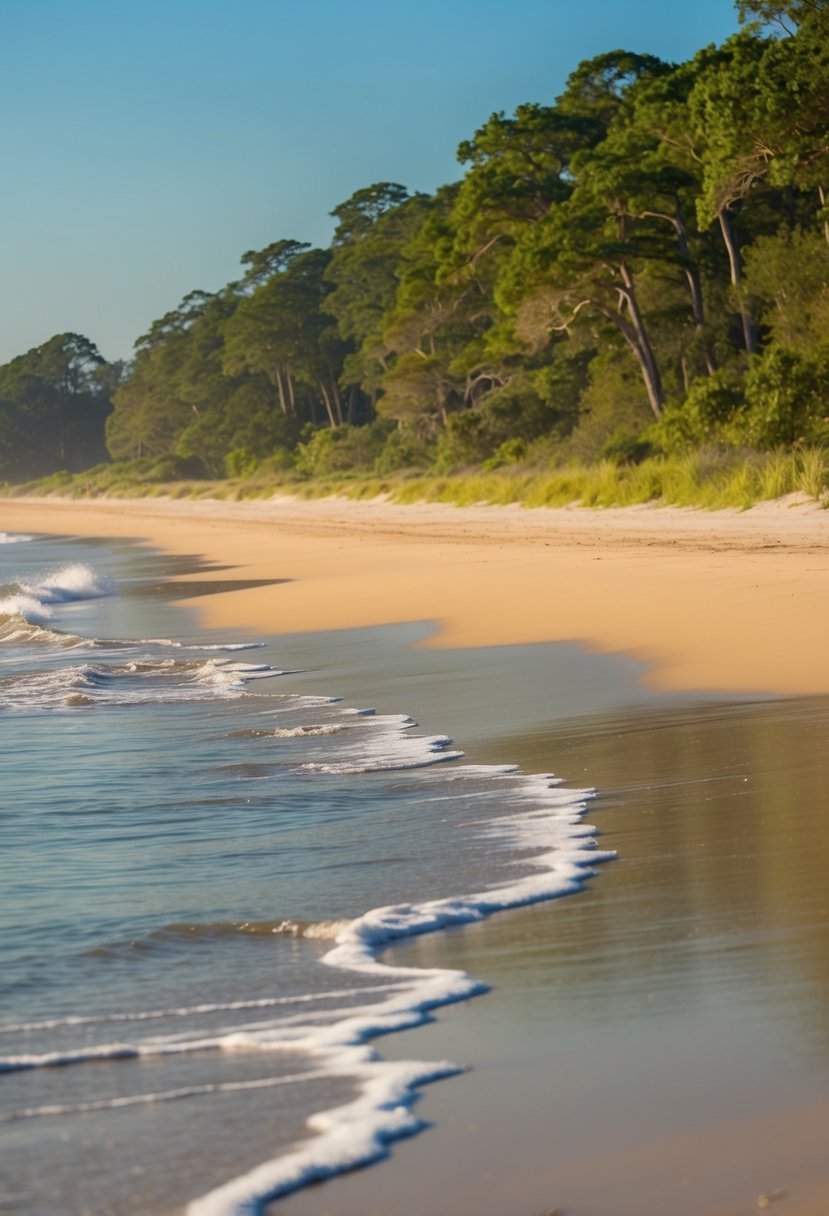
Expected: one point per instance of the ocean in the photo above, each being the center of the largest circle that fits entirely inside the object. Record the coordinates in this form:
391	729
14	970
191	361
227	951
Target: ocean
203	858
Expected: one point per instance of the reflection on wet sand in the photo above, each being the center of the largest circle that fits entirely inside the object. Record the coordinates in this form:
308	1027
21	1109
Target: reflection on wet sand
658	1045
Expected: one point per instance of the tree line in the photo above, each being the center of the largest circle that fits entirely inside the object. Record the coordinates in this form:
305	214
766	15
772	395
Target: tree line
641	266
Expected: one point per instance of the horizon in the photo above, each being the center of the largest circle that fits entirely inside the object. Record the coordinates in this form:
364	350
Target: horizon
152	147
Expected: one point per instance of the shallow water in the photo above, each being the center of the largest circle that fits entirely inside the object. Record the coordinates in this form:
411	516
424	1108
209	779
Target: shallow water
190	827
658	1044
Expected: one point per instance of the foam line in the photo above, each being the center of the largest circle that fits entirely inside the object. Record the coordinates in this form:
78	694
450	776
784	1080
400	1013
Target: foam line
186	1011
360	1132
168	1095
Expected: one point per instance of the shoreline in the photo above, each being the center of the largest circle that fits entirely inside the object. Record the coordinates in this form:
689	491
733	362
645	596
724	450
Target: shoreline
456	1106
720	601
644	1047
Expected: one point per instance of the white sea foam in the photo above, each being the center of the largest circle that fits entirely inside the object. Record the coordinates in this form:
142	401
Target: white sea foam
188	1011
306	732
545	821
224	646
384	745
73	582
13	538
360	1132
32	604
160	681
26	608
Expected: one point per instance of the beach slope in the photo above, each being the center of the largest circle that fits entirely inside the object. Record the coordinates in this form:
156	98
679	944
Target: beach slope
714	601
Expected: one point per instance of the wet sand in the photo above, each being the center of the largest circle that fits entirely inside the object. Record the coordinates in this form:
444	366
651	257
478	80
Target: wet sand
658	1045
727	601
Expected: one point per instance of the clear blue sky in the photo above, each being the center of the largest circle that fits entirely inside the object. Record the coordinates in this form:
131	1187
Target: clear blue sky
146	145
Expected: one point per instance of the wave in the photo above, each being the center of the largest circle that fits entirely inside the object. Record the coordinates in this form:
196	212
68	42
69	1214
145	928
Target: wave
26	620
18	623
545	820
31	603
169	1095
201	933
383	745
68	584
147	681
186	1011
360	1132
13	538
306	732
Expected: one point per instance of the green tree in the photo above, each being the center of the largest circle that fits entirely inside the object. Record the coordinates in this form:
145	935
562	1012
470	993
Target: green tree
54	401
283	330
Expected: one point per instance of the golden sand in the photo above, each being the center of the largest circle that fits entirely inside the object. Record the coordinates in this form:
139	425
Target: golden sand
729	601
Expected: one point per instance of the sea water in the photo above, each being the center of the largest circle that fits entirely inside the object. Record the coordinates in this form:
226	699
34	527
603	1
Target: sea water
201	863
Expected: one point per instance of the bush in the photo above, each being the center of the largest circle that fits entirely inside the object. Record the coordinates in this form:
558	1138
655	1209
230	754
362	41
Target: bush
787	402
176	468
342	449
511	451
781	401
403	449
708	407
623	447
241	462
465	440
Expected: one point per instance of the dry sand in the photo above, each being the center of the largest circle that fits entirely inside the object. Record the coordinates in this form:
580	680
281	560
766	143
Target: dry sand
729	601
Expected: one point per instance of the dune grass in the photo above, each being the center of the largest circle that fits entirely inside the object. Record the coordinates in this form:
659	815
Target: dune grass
709	478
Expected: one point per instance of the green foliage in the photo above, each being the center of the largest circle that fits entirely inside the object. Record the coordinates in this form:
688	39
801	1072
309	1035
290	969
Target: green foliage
612	401
639	266
623	447
782	400
241	462
511	451
54	401
788	275
704	414
403	449
340	450
787	402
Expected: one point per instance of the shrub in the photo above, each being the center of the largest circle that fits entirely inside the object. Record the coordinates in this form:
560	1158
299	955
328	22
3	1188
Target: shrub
403	449
624	447
787	402
511	451
342	449
241	462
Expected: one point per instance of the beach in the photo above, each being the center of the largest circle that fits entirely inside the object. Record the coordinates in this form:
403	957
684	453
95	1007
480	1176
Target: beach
655	1045
714	601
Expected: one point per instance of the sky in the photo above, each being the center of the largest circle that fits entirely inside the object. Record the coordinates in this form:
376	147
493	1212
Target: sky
147	144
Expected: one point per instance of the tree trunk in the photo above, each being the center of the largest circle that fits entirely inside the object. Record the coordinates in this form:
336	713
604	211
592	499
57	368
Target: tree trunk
338	401
822	196
690	269
694	280
280	389
291	393
332	420
735	262
643	349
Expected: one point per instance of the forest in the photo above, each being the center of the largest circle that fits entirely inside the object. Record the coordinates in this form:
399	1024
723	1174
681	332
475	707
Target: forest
637	271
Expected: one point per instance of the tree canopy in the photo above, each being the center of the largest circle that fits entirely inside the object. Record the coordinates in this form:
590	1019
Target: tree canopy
627	264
